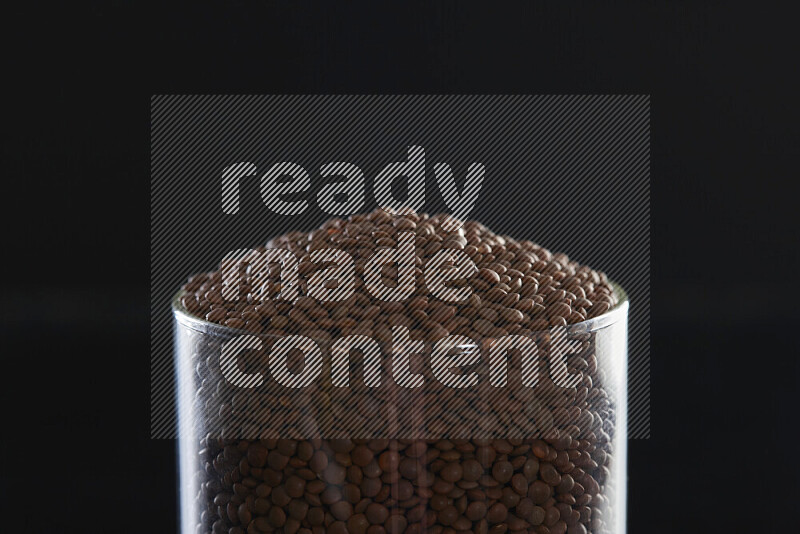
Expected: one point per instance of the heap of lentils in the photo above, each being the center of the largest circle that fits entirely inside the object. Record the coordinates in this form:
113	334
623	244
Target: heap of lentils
552	484
519	287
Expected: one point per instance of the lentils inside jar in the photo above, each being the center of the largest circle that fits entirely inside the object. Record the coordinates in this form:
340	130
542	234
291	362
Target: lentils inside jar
545	484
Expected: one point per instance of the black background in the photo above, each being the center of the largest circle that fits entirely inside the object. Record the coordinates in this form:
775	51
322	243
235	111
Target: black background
76	454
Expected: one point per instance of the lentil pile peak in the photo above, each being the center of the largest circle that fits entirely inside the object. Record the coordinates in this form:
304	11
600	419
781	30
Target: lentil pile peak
519	287
560	481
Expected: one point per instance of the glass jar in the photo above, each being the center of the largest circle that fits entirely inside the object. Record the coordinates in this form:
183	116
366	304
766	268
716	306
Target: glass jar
522	434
